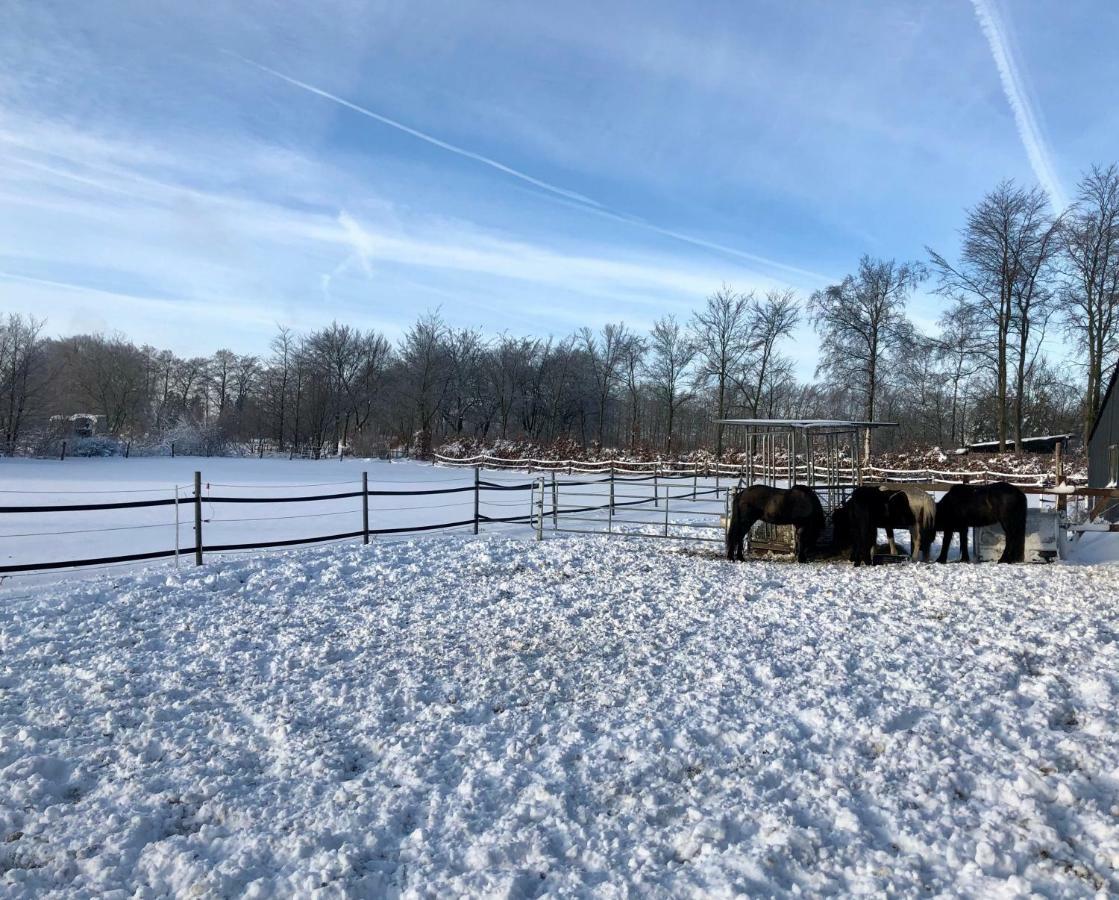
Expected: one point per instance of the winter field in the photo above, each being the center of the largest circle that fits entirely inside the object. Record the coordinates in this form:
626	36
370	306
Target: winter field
451	715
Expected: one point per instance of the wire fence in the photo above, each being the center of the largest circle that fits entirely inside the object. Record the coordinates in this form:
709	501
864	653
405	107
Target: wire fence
194	509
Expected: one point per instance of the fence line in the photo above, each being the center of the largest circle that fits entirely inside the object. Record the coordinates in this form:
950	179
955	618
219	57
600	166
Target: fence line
196	499
616	477
712	469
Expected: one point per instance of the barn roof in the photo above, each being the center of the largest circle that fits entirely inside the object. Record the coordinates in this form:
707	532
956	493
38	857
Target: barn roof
1103	403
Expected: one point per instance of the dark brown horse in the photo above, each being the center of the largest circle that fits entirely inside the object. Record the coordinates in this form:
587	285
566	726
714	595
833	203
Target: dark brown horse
857	521
968	505
797	506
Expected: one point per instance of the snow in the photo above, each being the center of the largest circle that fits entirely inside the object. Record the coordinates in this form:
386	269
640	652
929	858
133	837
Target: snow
465	716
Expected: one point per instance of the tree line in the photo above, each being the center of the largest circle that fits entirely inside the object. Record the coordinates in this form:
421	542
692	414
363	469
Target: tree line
1020	274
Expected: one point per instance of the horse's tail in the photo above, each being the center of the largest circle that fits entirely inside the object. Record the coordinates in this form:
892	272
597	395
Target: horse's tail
925	516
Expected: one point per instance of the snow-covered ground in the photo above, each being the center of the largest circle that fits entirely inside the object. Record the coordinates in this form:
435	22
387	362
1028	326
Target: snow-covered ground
583	716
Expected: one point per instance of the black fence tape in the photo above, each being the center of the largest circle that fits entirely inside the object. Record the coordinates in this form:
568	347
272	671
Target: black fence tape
82	507
95	561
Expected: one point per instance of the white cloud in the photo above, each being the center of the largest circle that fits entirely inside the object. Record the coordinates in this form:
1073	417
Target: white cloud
148	241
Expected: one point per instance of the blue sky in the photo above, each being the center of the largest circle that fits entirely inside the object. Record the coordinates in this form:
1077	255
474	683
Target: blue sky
194	174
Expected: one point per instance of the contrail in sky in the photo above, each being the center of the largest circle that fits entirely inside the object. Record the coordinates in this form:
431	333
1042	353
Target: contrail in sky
1018	96
580	201
444	145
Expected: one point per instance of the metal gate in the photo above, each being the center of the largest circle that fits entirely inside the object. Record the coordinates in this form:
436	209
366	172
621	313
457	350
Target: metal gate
670	505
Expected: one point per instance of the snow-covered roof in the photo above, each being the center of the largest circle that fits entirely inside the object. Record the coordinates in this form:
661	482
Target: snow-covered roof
806	423
1032	437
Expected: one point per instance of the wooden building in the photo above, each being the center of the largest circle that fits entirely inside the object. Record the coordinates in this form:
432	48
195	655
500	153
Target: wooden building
1103	441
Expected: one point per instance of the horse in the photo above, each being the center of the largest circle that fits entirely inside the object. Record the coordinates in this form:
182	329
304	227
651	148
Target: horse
798	506
857	521
967	505
911	508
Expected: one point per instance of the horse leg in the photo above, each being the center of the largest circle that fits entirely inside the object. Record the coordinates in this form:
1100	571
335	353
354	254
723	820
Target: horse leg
1014	550
963	546
914	542
945	546
745	525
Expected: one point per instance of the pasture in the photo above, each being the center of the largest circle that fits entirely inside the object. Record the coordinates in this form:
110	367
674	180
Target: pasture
489	715
451	714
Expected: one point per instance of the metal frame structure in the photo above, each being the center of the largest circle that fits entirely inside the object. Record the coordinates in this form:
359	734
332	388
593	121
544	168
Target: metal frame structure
635	506
820	443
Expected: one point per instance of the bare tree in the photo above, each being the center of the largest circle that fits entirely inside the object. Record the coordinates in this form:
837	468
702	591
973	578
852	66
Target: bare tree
109	376
1007	241
1090	294
770	320
509	366
860	321
633	358
425	373
278	379
957	349
721	334
465	351
672	354
21	355
605	354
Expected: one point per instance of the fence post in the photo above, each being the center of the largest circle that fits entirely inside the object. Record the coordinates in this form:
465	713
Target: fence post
172	449
477	495
610	512
695	479
667	488
63	456
197	517
1059	467
176	526
540	516
656	482
555	502
365	507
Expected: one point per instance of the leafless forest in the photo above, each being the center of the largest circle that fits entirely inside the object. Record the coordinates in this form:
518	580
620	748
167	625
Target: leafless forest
1020	273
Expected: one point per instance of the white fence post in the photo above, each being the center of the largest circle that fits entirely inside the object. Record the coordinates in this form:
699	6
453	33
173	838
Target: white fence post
540	516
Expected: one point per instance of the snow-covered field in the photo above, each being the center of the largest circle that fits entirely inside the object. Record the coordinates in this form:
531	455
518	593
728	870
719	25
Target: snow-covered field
582	716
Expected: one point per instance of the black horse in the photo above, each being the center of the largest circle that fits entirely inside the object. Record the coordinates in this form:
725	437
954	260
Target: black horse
857	521
967	505
798	506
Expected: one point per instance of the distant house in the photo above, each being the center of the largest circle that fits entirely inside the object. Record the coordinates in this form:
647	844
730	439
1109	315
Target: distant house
78	425
1045	443
1103	441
